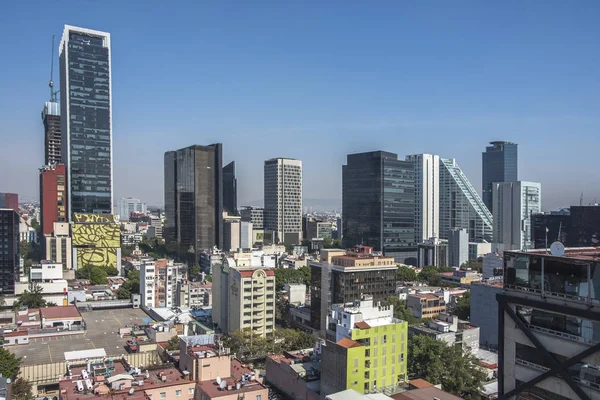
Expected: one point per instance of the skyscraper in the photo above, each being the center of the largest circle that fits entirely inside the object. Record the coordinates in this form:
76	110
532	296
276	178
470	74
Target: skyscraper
230	189
461	206
427	197
52	135
52	197
378	203
86	119
9	252
499	164
513	205
194	199
283	199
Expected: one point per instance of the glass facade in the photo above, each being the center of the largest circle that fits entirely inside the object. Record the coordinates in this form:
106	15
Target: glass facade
499	164
547	228
9	250
230	189
86	126
378	204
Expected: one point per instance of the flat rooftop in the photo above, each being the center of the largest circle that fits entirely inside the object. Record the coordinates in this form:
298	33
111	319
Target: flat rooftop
578	253
212	389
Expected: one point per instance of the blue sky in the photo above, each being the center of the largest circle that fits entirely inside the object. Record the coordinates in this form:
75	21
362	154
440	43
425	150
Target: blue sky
317	80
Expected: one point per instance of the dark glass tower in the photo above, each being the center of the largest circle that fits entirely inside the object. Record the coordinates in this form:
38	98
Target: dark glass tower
378	204
86	110
230	189
9	252
499	164
52	136
194	199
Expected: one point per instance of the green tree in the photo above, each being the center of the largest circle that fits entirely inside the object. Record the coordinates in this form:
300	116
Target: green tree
32	298
429	359
131	285
291	275
2	301
22	389
194	272
9	364
406	274
123	293
473	264
98	276
248	346
401	311
463	306
429	275
51	304
173	343
111	271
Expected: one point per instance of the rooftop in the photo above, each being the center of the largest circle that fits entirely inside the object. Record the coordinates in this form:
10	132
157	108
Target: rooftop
240	374
428	393
420	383
577	253
348	343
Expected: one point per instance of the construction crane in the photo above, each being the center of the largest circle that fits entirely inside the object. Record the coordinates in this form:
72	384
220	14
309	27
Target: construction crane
53	93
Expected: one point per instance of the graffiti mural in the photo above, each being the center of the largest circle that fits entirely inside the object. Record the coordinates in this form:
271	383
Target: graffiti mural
97	239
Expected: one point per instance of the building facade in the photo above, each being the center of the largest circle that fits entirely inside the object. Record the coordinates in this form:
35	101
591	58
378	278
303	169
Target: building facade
9	252
194	199
86	123
549	341
513	205
283	199
96	241
128	205
427	197
52	135
53	196
9	200
461	206
585	226
550	227
57	246
370	350
458	247
484	311
378	204
499	164
254	215
230	189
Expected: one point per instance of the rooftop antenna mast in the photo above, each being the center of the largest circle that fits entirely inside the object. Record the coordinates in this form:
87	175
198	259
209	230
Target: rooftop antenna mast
51	83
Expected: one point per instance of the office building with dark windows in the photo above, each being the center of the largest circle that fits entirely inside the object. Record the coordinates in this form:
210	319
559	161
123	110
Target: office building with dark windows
230	189
585	226
86	119
549	325
9	250
499	164
378	204
52	135
550	227
194	199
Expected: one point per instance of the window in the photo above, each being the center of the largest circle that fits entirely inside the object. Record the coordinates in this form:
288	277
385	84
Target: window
394	348
258	397
191	391
375	363
375	352
163	395
356	362
178	393
384	362
384	339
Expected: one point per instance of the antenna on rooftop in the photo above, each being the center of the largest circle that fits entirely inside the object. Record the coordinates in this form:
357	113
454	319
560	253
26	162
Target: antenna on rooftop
51	83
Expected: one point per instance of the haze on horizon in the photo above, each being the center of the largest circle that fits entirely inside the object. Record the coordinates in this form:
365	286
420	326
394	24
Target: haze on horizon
318	81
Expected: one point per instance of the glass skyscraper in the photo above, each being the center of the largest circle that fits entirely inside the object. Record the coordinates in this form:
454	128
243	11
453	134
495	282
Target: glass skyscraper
499	164
378	204
86	119
230	189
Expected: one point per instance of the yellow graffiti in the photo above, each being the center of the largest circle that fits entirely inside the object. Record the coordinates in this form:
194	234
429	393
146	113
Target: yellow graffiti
97	235
96	257
97	238
94	218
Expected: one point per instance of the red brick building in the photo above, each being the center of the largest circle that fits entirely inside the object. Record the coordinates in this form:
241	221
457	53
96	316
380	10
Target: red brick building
53	197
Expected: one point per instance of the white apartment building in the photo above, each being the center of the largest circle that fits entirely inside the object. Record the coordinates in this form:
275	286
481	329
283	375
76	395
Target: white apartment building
427	199
128	205
283	199
244	297
57	246
513	203
147	284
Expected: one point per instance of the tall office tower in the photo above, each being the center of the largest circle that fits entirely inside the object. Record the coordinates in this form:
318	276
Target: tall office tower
458	247
255	215
585	226
378	204
9	200
461	206
53	196
499	164
86	120
9	252
128	205
52	135
230	189
427	198
194	199
283	199
548	335
513	203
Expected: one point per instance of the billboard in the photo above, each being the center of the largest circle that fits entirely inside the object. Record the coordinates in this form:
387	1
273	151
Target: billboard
97	240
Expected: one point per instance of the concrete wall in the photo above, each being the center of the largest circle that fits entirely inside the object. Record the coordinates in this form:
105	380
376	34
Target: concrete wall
285	379
484	312
181	391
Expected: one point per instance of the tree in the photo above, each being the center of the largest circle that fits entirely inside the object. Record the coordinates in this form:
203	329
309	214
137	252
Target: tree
111	271
9	364
248	346
463	306
194	272
98	276
51	304
401	311
32	298
472	264
429	359
406	274
173	343
429	274
2	301
123	293
21	389
291	275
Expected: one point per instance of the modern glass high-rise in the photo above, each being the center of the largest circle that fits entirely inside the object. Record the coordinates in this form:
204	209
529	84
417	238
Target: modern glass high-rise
194	199
86	119
427	197
499	164
461	206
378	204
230	189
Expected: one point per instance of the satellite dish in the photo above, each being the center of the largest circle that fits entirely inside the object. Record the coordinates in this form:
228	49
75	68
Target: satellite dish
223	384
557	249
218	380
238	386
131	391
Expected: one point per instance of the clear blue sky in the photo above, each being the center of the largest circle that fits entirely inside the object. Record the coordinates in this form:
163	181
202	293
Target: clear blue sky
317	80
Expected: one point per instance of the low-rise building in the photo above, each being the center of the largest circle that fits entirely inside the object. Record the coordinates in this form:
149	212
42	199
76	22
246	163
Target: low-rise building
425	305
461	277
449	329
193	294
296	293
484	310
295	373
